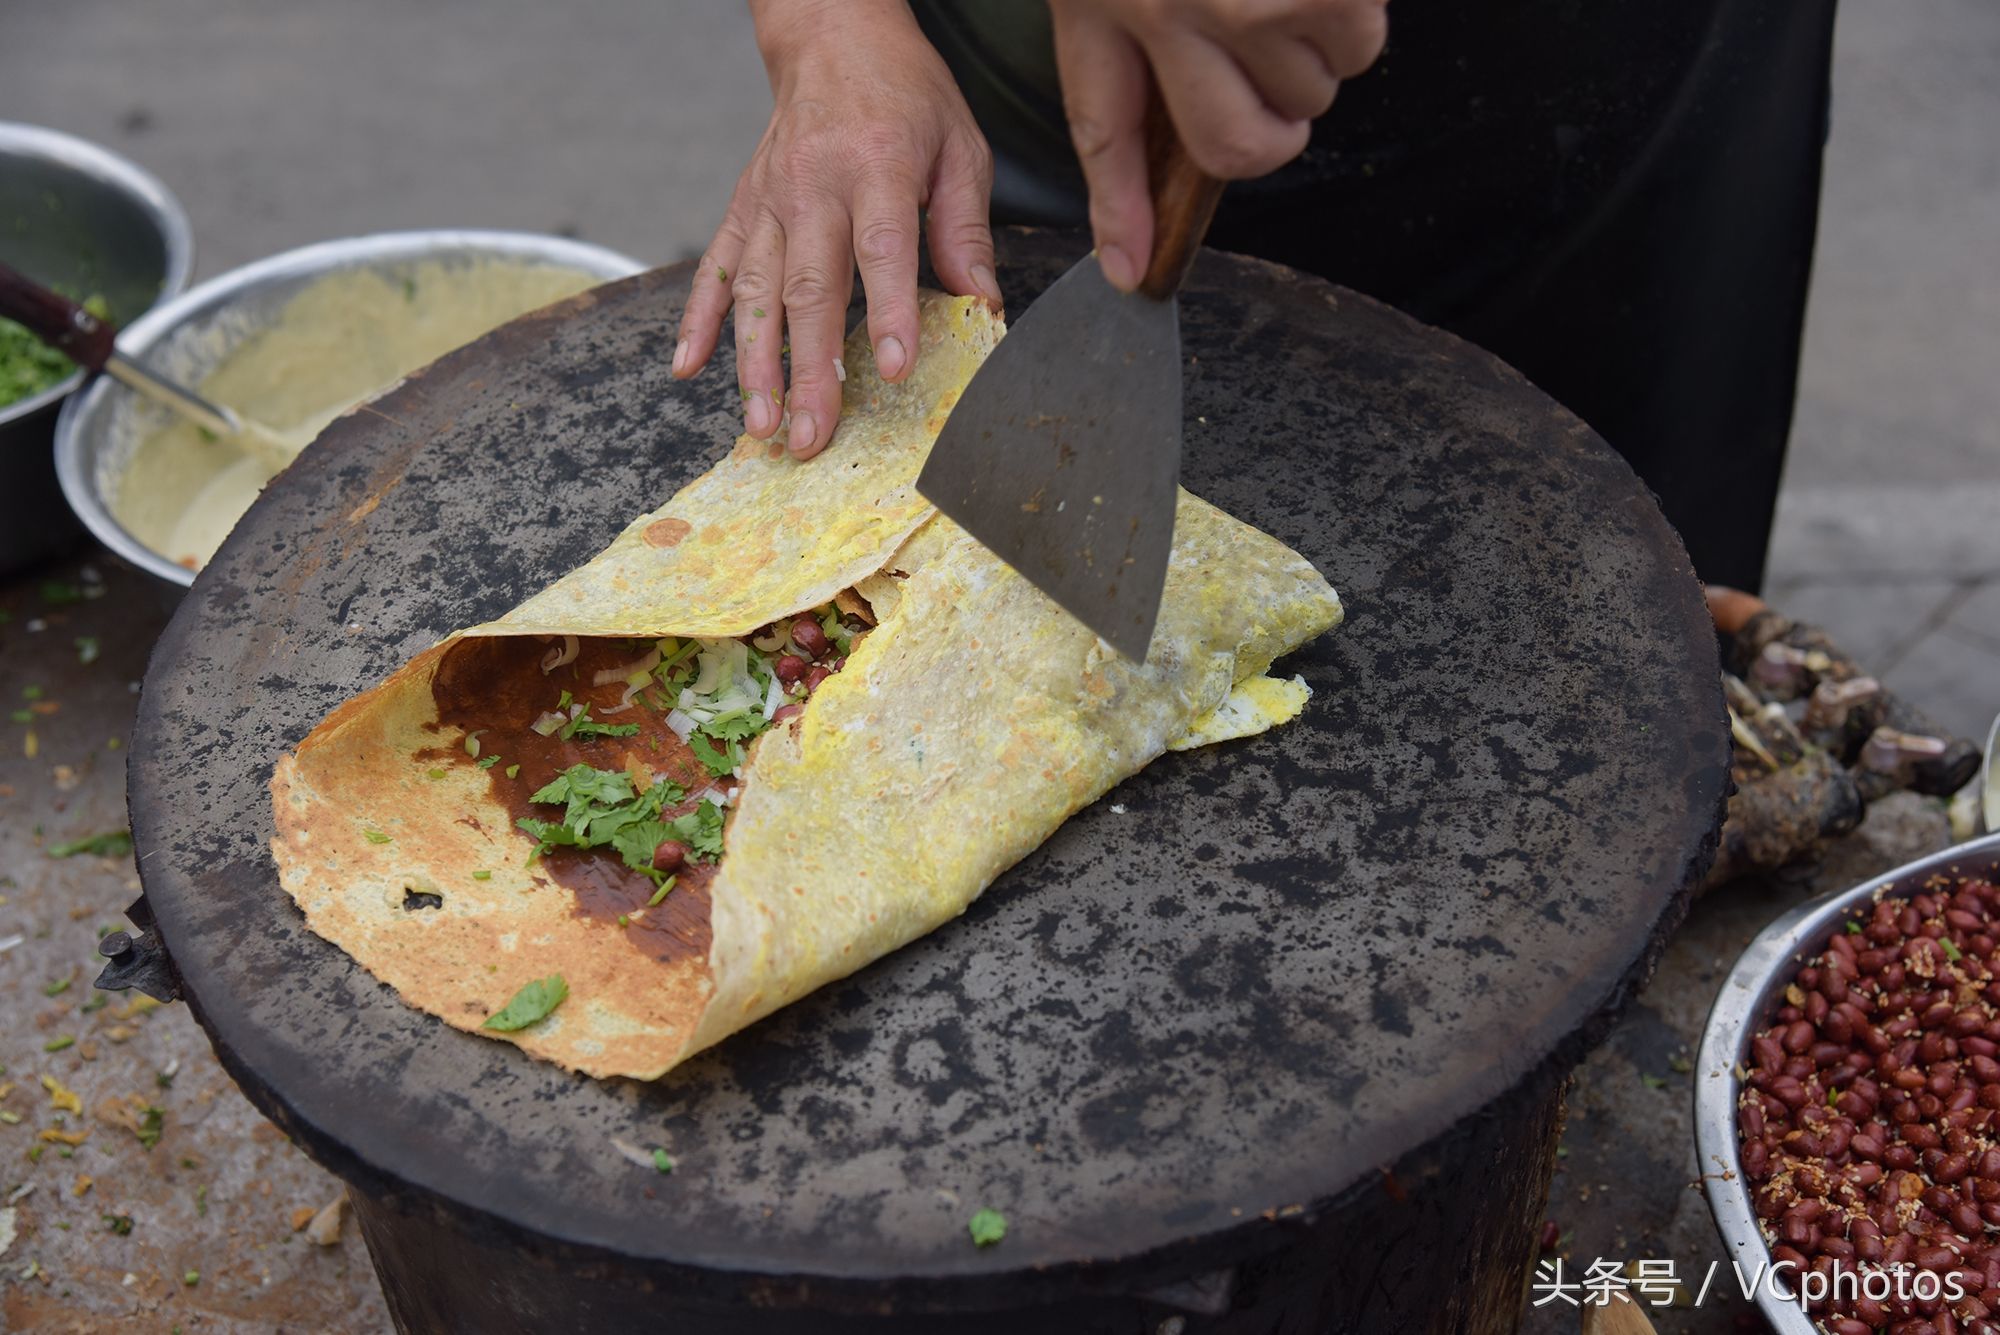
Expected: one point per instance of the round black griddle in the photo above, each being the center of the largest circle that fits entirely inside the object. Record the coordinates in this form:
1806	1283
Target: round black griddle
1249	979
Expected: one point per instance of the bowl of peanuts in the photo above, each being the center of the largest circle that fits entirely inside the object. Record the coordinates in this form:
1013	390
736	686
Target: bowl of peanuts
1847	1105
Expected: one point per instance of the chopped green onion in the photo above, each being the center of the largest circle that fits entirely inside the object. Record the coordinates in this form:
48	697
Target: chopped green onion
482	875
375	836
661	893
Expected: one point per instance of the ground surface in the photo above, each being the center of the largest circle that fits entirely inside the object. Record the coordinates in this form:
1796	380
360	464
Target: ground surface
625	122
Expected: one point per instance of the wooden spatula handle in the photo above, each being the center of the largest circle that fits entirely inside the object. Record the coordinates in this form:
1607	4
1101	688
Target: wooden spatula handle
1184	199
56	320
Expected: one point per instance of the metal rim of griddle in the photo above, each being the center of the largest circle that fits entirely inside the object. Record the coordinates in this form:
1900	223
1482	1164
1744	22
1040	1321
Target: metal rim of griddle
1512	592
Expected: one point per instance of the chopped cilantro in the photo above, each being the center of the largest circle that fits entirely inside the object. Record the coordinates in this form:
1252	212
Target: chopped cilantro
987	1227
661	893
1853	927
583	725
661	1162
482	875
375	836
487	762
600	808
700	830
738	725
721	764
533	1002
152	1125
112	843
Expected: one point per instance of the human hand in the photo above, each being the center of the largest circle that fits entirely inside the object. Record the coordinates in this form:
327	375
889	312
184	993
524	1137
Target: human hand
1242	80
867	132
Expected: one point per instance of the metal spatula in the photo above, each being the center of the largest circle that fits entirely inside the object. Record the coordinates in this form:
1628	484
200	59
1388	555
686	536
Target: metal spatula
1064	455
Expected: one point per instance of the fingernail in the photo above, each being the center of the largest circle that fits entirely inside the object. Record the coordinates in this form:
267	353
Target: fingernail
803	435
1118	268
757	416
988	285
680	356
890	357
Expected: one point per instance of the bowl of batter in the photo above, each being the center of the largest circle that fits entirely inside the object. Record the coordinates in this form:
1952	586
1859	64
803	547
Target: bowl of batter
292	342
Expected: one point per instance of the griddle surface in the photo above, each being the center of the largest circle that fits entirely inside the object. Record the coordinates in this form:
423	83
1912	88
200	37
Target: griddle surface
1244	981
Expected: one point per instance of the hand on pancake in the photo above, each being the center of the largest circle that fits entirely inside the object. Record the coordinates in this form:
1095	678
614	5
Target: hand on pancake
868	133
1242	79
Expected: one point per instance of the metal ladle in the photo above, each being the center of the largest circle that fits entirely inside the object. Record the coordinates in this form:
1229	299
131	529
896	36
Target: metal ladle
92	344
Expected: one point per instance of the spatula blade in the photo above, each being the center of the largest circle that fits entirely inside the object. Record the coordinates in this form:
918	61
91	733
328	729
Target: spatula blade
1064	455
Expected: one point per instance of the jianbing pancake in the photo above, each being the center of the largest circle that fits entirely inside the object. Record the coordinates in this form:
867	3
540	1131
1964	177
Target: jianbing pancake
625	785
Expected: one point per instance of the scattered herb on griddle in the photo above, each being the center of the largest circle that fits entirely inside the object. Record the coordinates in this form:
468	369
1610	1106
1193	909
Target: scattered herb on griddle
661	1162
111	844
987	1227
1653	1081
375	836
533	1002
700	830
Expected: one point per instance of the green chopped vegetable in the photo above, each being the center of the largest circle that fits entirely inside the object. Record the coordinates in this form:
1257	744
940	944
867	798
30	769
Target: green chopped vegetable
661	893
662	1163
533	1002
583	725
513	771
152	1125
57	988
87	649
987	1227
191	1278
472	742
375	836
121	1224
111	844
1951	952
1853	927
487	762
31	692
435	773
482	875
98	1001
721	764
58	1044
757	311
23	716
1653	1081
624	920
10	1118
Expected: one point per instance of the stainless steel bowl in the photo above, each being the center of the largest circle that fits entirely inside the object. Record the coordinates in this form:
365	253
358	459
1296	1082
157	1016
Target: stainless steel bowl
77	217
1749	997
189	337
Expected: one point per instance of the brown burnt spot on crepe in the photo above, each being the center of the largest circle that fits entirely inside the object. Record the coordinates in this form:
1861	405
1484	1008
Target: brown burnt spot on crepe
667	532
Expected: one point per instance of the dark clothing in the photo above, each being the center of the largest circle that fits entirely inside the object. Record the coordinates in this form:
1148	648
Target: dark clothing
1616	196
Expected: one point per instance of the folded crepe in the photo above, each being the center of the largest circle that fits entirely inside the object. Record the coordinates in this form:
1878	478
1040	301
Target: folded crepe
478	831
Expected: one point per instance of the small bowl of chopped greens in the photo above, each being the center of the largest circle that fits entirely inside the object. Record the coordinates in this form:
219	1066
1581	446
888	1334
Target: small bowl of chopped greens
94	226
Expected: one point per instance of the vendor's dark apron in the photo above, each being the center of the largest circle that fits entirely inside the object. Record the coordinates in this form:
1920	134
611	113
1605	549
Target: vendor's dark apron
1616	196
